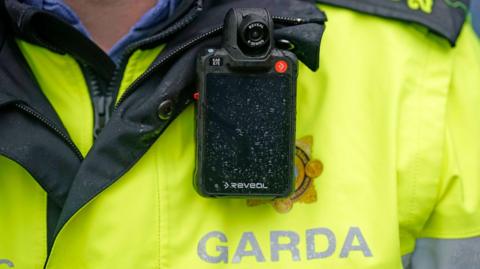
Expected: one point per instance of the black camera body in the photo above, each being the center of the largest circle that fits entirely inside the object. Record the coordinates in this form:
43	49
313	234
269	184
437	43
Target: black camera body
246	112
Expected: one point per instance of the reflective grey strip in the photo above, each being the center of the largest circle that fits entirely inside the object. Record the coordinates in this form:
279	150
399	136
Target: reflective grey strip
407	261
446	254
7	262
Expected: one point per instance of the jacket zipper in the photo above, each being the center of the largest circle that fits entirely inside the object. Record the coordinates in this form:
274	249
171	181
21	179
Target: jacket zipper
101	100
30	111
104	100
181	48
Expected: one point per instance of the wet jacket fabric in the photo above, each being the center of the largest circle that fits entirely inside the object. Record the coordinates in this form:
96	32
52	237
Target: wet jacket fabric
387	147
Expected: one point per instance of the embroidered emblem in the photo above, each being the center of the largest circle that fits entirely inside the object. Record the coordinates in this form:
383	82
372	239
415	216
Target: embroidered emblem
306	170
424	5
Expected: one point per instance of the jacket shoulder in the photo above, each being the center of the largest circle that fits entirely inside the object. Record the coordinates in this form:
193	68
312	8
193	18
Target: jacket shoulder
444	17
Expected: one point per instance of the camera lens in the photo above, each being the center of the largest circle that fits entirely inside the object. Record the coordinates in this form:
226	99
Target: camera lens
255	34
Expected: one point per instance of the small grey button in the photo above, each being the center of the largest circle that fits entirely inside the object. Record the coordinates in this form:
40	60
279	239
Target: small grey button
165	110
285	44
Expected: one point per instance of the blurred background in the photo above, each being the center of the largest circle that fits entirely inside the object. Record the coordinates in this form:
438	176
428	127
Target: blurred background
475	6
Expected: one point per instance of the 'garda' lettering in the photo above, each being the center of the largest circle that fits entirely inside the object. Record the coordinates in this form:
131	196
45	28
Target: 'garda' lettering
321	243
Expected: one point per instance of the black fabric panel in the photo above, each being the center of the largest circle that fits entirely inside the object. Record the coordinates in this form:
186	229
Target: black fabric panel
24	137
3	14
17	81
53	213
446	19
306	44
135	126
26	140
43	154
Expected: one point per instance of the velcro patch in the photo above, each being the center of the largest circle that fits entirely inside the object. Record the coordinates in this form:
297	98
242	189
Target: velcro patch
444	17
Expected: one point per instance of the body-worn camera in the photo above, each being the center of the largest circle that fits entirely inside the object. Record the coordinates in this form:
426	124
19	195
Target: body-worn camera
246	112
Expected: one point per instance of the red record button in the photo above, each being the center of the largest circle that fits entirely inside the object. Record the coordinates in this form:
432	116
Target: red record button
196	96
281	66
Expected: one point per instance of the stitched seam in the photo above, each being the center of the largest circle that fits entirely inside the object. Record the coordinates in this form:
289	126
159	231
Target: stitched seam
159	209
44	234
453	235
167	222
418	166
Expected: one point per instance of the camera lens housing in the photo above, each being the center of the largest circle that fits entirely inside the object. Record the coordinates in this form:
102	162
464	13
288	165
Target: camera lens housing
255	34
248	33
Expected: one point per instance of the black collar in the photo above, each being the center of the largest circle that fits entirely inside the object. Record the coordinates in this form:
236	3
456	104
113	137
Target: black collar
47	30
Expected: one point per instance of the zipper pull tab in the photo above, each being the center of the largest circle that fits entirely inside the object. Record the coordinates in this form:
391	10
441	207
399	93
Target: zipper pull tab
104	106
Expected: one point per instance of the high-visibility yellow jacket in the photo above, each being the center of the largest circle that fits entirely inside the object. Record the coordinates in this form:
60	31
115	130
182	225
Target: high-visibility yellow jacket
387	130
